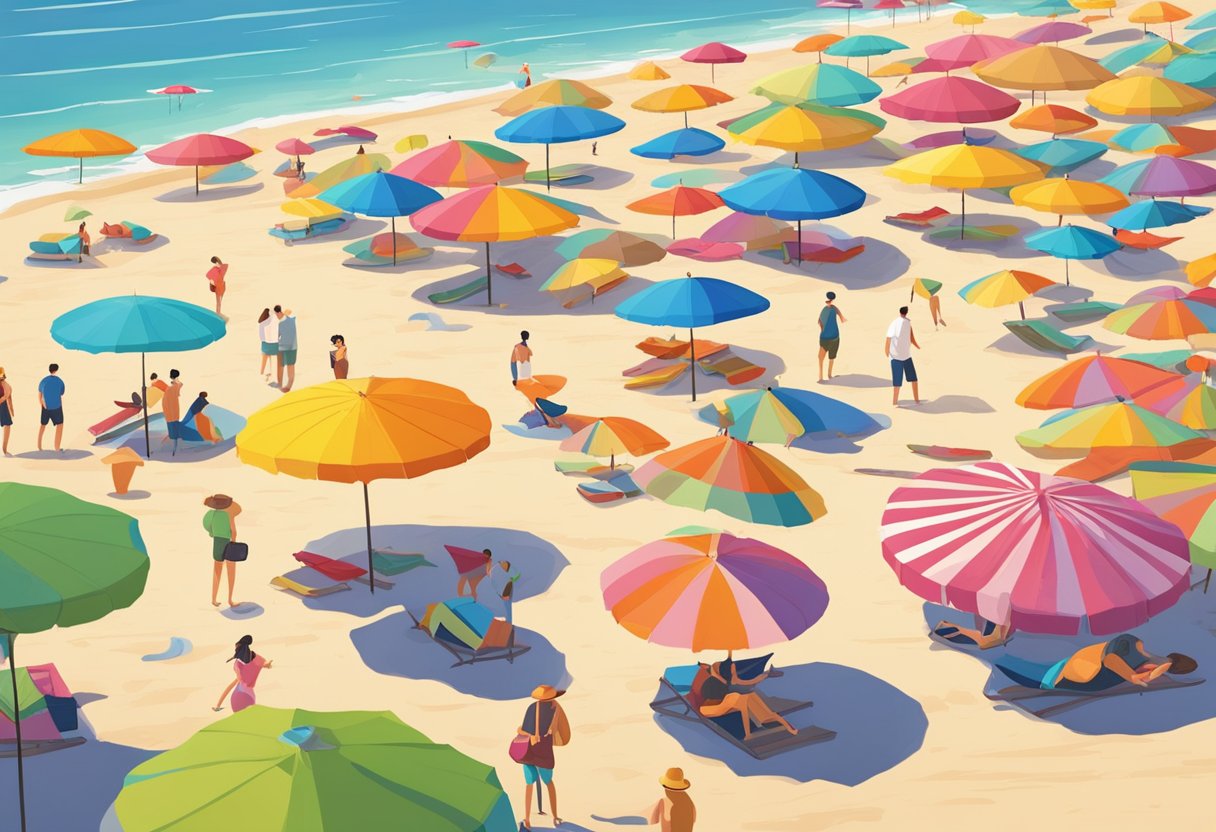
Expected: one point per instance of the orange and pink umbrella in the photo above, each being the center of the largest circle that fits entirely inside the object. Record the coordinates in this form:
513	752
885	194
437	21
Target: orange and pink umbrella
1091	380
679	201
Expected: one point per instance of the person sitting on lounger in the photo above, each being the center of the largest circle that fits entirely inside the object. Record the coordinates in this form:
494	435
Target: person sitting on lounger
1099	667
985	636
723	692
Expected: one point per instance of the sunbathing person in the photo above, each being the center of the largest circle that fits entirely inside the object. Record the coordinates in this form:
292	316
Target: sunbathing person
985	636
1098	667
723	692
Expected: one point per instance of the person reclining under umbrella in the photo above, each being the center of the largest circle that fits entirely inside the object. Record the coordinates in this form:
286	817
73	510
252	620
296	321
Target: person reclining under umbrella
1098	667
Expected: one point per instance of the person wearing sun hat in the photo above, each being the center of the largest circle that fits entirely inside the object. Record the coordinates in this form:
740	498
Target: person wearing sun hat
675	812
545	724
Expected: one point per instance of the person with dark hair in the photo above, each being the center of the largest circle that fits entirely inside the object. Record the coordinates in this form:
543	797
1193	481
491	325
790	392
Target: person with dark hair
6	409
830	319
508	590
85	242
1098	667
50	399
521	359
248	665
337	357
471	578
171	407
268	340
723	691
289	344
898	348
216	277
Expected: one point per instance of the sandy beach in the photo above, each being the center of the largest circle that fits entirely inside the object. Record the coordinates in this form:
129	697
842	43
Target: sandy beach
919	747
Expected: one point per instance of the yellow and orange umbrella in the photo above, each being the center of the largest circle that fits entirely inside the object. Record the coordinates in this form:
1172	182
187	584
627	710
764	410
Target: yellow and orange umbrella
817	43
1069	196
1201	272
593	271
804	128
311	208
1053	118
1184	494
967	18
1043	68
1113	425
613	435
1173	319
681	98
555	92
1187	400
357	165
80	144
680	201
1003	288
649	71
1147	95
1094	379
1158	12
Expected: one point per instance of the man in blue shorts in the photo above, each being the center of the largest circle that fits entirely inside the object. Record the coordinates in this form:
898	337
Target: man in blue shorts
50	397
898	348
830	319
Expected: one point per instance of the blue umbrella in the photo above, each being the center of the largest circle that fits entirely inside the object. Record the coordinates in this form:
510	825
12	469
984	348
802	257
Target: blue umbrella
817	413
1151	213
554	125
138	323
691	302
381	194
1070	242
1049	8
1204	21
687	141
794	194
1202	42
1198	70
1129	56
1062	155
864	46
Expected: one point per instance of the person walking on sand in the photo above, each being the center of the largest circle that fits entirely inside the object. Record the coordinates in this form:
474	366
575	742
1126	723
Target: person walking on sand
220	523
545	725
521	359
288	345
337	357
50	399
248	665
830	319
935	310
268	340
171	407
898	348
216	278
675	811
6	409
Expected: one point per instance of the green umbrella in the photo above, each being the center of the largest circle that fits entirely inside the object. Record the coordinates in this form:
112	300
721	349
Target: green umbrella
309	771
62	562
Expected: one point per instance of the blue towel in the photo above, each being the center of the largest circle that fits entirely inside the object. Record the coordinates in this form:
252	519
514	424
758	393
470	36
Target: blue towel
472	613
681	677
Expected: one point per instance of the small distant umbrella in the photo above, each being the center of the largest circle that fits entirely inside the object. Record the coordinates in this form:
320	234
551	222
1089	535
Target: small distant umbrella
1163	320
680	201
1163	176
615	435
1155	213
200	149
1158	12
1147	95
901	68
485	60
1108	5
1053	32
1044	69
557	124
967	18
295	147
1069	196
351	131
864	46
1164	139
1053	118
80	144
179	90
1094	379
714	53
924	287
1197	70
687	141
1112	425
555	92
891	5
381	194
828	85
1071	242
965	50
682	98
630	250
649	71
1003	288
1062	155
462	164
464	46
779	415
76	212
951	100
847	5
805	128
817	43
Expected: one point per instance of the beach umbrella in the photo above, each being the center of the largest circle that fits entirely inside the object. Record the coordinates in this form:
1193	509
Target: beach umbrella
907	66
138	323
1202	42
1043	68
889	5
967	18
1164	139
1147	95
1163	320
1201	272
965	50
963	167
682	98
464	46
847	5
1071	242
703	589
1048	8
794	194
714	53
75	213
381	194
649	71
779	415
557	124
295	147
755	230
728	475
818	43
556	92
1117	424
351	131
200	149
357	165
691	302
1094	379
1206	20
289	768
1062	155
924	287
687	141
179	90
593	271
1069	196
679	201
1197	70
612	435
1003	288
1182	493
1053	118
1158	12
1163	176
1053	31
828	85
630	250
864	46
954	100
80	144
63	562
1188	400
1035	552
366	429
1108	5
805	128
1151	51
492	214
1153	213
462	164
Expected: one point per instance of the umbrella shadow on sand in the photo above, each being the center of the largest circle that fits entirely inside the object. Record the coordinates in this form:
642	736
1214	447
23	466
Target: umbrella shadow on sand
208	193
1130	35
879	264
514	296
706	383
830	443
1185	628
71	263
1149	264
877	727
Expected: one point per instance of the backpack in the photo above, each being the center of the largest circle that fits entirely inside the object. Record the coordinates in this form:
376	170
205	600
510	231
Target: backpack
217	523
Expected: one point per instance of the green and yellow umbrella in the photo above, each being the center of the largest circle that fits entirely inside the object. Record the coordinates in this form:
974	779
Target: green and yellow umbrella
925	287
555	92
1117	424
1185	399
582	271
806	127
1003	288
1184	494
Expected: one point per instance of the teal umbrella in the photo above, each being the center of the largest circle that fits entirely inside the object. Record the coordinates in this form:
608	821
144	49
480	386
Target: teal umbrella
381	194
1204	21
864	46
1198	69
1129	56
1072	242
63	562
830	85
1202	42
138	323
1063	155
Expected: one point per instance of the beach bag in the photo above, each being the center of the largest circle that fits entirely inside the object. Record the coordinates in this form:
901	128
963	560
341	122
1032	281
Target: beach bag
236	552
519	748
561	727
217	523
539	754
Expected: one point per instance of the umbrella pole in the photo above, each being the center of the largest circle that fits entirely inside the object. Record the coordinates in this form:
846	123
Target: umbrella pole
1022	309
12	668
962	229
692	369
1066	281
393	226
489	279
143	381
196	180
673	225
80	179
686	119
548	173
798	243
367	519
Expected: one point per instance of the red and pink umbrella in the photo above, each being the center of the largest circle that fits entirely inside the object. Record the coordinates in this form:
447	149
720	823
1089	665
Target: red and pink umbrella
957	100
892	5
464	46
714	53
707	251
295	147
353	131
965	50
1037	552
179	90
1053	31
200	149
847	5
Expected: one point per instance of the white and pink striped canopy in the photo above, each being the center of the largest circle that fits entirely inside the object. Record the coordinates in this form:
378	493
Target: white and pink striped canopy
1041	553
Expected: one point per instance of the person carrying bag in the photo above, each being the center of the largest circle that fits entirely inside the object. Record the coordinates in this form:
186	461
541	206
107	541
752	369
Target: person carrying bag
226	552
544	726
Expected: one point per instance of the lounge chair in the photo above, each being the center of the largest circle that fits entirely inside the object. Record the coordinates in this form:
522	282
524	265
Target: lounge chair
923	219
340	571
303	590
676	348
1144	240
512	270
1047	338
1060	701
55	246
498	642
1090	310
588	293
290	231
705	251
677	699
127	230
460	293
588	466
655	376
110	422
735	369
819	253
561	173
615	487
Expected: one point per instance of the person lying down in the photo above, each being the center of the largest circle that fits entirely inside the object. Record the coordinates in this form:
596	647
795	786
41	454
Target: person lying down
1098	667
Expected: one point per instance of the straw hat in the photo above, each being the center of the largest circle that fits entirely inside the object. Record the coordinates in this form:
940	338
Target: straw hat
674	779
218	501
543	693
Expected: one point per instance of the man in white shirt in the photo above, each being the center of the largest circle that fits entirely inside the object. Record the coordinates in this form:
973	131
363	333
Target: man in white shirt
898	348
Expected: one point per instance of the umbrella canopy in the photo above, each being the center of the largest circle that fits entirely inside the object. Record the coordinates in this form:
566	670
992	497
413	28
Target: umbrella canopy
779	415
806	127
1163	176
714	53
967	18
200	149
681	98
794	194
687	141
491	214
281	768
462	164
556	124
1147	95
701	589
295	147
630	250
1116	424
863	46
1094	379
679	201
1163	320
555	92
360	164
1003	288
1158	12
925	287
1069	196
817	43
1204	21
594	271
613	435
1188	400
649	71
727	475
955	100
1153	213
1048	8
1201	272
1152	51
1164	139
1043	68
80	144
360	430
965	50
1062	155
1070	242
1038	553
1053	118
1053	31
756	230
1182	494
179	90
826	84
381	194
351	131
1198	70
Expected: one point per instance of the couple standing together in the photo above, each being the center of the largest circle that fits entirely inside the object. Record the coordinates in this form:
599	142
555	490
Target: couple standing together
277	333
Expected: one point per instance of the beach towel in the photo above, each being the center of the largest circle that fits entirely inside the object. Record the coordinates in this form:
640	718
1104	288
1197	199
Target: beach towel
466	560
460	621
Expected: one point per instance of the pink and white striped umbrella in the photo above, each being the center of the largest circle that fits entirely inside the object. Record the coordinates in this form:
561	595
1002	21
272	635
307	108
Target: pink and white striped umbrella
1040	553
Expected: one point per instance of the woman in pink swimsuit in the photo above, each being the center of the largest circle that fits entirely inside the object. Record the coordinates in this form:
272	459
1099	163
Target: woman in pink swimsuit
248	665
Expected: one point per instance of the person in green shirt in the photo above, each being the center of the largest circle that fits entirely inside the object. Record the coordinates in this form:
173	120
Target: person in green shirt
220	523
508	589
830	318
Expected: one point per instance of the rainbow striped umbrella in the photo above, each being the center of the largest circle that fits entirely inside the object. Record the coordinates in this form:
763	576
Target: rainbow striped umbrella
730	476
701	589
612	435
1185	399
1183	494
1003	288
1094	379
462	164
1163	320
1116	424
1040	553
